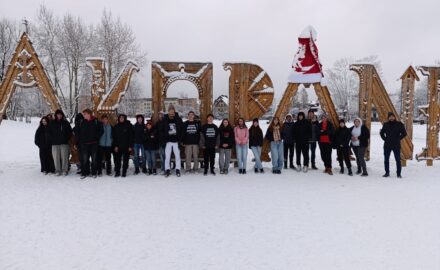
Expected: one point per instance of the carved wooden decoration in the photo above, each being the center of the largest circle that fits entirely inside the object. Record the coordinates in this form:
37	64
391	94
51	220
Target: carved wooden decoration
431	152
407	103
25	70
373	92
107	102
165	73
250	91
286	104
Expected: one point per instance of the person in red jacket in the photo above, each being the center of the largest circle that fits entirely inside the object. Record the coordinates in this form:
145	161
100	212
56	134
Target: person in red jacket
326	131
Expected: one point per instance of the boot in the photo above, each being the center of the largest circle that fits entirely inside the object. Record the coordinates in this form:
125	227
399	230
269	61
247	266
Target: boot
244	171
212	172
205	172
144	170
154	172
305	169
124	173
285	164
364	173
136	171
240	171
359	171
341	171
386	175
150	171
261	171
298	168
256	170
350	172
314	166
117	174
178	173
167	173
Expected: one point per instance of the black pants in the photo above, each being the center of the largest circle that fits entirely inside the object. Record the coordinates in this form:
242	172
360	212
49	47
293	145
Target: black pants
121	156
289	150
104	159
303	149
89	154
46	160
326	154
343	154
209	157
313	152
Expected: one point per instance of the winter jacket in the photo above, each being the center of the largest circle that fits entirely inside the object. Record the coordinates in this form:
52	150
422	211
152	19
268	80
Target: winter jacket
106	137
392	132
191	133
60	131
269	134
287	132
89	131
151	139
364	137
241	135
42	137
315	130
160	127
209	135
326	133
255	136
341	138
172	128
226	136
302	131
123	135
139	133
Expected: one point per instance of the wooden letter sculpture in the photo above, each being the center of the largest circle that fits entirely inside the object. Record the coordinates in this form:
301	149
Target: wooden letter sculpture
250	91
432	150
373	92
26	71
165	73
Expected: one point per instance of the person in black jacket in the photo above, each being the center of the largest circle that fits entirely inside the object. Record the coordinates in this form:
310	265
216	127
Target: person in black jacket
288	141
302	131
161	129
392	133
60	132
138	146
359	143
151	147
191	141
209	144
122	135
313	119
42	140
226	133
256	143
341	141
326	131
173	129
89	132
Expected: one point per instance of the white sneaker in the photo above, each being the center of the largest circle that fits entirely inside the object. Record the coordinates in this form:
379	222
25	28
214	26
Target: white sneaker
298	168
305	169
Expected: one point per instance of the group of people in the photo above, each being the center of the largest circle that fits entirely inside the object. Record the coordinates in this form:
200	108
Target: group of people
151	144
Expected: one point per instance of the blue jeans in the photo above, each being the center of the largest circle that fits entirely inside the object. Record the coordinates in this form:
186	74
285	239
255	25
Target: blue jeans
162	157
313	152
242	151
139	148
150	156
387	153
276	153
257	154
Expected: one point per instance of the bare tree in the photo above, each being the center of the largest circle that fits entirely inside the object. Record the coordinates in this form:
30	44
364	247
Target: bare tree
9	35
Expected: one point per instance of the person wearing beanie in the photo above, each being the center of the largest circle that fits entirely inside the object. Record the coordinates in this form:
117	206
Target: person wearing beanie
326	131
138	146
256	144
359	143
288	141
191	142
241	134
302	131
341	142
392	133
60	132
313	119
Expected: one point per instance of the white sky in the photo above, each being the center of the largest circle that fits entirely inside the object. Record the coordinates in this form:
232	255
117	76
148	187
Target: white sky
265	32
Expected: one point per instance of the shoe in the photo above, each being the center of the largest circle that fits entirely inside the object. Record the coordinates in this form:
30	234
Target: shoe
292	167
66	173
46	173
124	174
298	168
350	172
359	171
99	174
285	165
94	175
314	167
212	172
222	172
329	171
205	173
279	171
109	174
136	171
150	172
399	176
275	171
167	173
364	174
244	171
154	172
240	171
256	170
261	171
178	173
83	177
386	175
117	174
341	171
144	170
226	171
305	169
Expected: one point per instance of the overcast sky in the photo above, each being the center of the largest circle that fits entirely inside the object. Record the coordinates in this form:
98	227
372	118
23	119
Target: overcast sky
265	32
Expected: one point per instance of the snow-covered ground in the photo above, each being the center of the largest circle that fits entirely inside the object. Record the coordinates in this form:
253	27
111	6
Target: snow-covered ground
292	221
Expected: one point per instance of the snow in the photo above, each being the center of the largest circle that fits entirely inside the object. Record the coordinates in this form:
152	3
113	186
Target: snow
292	221
308	32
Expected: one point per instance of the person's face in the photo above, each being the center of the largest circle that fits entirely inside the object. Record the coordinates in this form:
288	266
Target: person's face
171	113
300	117
86	116
240	122
105	121
139	120
59	116
191	116
289	118
149	126
44	122
310	115
324	118
121	119
255	124
225	123
392	118
275	120
357	123
342	124
160	116
210	119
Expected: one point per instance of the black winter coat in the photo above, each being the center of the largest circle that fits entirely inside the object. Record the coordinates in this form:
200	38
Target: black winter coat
122	135
60	131
392	133
226	136
287	132
139	133
302	131
151	139
89	132
342	138
161	129
42	137
255	136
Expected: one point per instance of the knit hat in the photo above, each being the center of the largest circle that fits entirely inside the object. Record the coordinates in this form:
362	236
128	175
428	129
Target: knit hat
341	120
255	120
391	114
